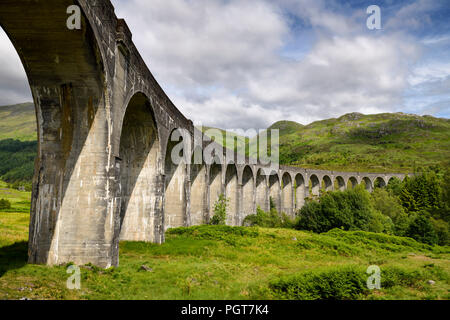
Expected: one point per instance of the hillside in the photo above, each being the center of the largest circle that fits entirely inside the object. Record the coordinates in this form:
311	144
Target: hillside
18	122
389	142
375	143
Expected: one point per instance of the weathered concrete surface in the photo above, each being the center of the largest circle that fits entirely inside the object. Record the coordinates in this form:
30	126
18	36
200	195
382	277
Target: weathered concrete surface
104	170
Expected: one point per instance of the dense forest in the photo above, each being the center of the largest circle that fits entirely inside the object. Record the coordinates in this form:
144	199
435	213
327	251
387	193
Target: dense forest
17	162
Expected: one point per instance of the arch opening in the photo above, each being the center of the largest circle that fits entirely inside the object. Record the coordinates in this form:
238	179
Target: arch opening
339	183
352	183
275	191
327	184
215	186
261	191
379	183
139	152
367	184
314	186
231	193
287	194
248	189
299	192
198	194
175	214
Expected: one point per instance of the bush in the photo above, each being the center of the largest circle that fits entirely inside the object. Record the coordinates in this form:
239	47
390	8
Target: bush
422	193
5	204
390	206
335	284
220	211
421	229
348	210
271	219
441	228
348	283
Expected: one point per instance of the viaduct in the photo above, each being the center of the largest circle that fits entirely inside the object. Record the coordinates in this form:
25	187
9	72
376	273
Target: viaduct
103	171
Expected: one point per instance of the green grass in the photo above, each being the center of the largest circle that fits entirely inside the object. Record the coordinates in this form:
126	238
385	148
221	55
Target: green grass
221	262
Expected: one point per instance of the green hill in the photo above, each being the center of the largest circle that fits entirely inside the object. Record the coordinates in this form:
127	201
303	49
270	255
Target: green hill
375	143
18	122
354	142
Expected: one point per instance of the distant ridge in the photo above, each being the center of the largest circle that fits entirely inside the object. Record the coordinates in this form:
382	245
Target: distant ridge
387	142
18	122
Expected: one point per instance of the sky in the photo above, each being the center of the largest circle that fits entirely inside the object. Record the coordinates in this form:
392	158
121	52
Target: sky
245	64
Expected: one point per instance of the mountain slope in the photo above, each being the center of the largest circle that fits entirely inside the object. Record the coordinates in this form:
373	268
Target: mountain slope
388	142
18	122
381	142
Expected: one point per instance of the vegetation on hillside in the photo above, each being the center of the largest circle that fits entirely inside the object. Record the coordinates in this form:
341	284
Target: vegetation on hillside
418	207
375	143
18	122
17	162
222	262
354	142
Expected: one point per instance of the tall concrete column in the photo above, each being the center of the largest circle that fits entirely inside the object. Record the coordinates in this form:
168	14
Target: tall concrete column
72	212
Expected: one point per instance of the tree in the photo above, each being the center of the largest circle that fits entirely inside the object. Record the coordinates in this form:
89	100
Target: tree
349	210
220	211
421	229
390	206
5	204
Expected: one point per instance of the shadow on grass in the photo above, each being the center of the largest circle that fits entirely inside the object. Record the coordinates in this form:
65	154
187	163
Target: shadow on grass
14	256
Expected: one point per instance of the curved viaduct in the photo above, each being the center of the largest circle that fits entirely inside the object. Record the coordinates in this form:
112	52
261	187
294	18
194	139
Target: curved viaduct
103	170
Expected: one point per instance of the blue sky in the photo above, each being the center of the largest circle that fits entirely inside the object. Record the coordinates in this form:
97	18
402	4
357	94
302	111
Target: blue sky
248	63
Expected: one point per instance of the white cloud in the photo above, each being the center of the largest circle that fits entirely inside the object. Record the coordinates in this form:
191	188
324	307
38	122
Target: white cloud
219	61
14	86
222	61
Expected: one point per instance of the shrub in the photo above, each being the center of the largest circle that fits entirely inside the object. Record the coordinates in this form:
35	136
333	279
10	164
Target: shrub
5	204
348	210
347	283
422	193
271	219
395	186
422	230
441	228
335	284
220	211
390	206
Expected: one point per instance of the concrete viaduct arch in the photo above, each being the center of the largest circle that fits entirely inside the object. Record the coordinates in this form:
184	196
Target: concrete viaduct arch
104	170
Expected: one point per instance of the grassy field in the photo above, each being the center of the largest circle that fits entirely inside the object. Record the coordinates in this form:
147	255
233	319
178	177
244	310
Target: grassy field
213	262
